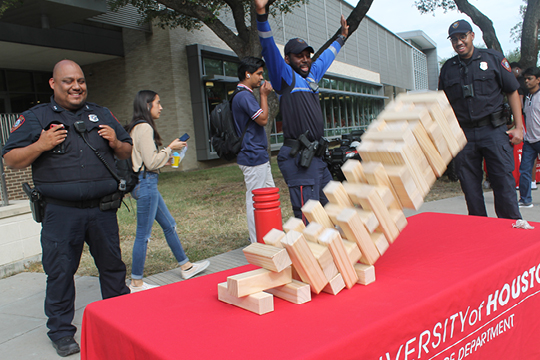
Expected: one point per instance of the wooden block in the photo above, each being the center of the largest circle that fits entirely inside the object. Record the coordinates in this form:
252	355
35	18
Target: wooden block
304	262
365	273
267	256
404	186
336	194
335	285
380	242
312	231
314	212
259	303
438	165
294	224
332	210
349	220
295	292
257	280
325	259
273	237
368	219
368	198
331	238
353	171
399	218
376	175
352	250
388	198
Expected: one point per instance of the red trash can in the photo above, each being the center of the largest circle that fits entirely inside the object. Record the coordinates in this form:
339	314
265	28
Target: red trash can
267	211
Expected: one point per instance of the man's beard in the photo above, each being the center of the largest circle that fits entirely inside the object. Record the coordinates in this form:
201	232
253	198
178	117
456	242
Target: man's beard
299	71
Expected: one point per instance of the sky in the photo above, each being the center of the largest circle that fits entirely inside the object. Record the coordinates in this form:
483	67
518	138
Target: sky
401	15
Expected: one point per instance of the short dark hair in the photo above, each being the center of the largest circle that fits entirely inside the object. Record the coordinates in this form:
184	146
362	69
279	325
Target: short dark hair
249	64
515	64
534	71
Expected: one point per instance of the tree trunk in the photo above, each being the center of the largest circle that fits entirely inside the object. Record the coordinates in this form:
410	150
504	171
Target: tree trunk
529	35
483	22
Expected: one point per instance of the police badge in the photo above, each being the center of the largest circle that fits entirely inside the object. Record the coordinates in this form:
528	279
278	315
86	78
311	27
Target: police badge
93	118
484	65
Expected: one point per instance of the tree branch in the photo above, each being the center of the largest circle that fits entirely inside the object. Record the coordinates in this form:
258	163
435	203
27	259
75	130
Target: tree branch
483	22
529	35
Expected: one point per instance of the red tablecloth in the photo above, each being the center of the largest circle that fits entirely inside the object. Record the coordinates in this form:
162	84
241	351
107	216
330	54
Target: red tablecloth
450	287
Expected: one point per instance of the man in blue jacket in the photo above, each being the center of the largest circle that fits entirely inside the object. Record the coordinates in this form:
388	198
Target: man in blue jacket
295	78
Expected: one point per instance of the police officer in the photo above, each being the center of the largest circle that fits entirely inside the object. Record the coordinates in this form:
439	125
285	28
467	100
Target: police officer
73	181
475	81
295	79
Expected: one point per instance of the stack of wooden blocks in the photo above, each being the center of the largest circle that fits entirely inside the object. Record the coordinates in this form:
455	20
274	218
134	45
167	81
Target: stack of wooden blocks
403	151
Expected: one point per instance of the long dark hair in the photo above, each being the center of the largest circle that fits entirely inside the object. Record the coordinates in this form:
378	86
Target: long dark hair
141	111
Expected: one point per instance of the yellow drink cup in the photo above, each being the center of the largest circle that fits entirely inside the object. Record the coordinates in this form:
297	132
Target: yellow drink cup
176	160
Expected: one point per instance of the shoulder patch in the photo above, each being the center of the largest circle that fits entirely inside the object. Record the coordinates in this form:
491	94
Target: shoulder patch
114	116
505	64
18	123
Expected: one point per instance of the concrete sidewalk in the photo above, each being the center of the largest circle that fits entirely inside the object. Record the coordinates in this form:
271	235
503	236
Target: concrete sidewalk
23	334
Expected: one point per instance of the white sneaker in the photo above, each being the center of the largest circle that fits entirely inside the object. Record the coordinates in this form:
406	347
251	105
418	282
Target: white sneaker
195	269
143	287
533	185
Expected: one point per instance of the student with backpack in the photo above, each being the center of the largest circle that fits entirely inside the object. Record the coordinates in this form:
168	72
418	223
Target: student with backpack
250	119
147	160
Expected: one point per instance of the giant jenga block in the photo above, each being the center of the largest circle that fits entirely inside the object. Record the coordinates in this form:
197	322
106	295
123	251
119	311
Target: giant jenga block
333	210
380	242
268	257
336	194
352	250
404	186
294	224
331	238
353	171
368	219
376	175
366	273
349	220
257	280
324	258
259	303
314	212
368	198
335	285
295	292
304	262
273	237
312	231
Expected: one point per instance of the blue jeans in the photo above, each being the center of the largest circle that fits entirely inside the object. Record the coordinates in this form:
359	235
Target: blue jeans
529	153
150	207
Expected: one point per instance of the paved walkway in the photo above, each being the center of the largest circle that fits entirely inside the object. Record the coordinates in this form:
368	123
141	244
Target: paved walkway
23	334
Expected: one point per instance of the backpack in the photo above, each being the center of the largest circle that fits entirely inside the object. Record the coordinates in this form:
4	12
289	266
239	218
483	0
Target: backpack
124	170
225	141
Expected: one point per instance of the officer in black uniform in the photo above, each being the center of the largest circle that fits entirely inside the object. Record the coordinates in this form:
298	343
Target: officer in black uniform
73	181
475	82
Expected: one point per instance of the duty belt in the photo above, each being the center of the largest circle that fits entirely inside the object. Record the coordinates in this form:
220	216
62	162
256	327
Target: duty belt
83	204
494	119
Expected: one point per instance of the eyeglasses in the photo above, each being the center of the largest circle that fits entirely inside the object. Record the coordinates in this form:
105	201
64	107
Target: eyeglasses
460	37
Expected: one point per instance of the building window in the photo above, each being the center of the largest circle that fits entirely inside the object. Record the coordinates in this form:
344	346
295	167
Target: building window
20	90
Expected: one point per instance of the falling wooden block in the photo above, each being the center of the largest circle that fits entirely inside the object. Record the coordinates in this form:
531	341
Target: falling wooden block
335	285
273	237
304	262
314	212
350	222
259	303
257	280
312	231
353	171
399	218
365	273
331	238
295	292
352	250
380	242
266	256
368	219
324	258
294	224
333	210
368	198
336	194
376	175
404	186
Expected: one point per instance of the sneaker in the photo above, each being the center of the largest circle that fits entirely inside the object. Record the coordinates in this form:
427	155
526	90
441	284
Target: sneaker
144	286
533	185
195	269
66	346
523	204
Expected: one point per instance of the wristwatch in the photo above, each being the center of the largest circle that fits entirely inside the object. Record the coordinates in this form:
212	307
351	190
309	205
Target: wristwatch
342	37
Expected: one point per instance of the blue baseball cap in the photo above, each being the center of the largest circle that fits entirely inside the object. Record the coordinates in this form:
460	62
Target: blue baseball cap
459	27
296	46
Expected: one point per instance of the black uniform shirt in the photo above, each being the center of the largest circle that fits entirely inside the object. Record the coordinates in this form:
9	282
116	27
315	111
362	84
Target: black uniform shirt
71	171
489	74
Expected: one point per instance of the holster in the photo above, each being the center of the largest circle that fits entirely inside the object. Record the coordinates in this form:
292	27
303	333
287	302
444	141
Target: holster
497	119
37	205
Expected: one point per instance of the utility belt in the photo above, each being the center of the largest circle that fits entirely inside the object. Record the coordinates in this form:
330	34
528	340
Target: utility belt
496	119
38	202
307	149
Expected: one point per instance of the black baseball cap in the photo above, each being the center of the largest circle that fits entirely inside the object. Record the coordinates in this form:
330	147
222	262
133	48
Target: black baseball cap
459	27
296	46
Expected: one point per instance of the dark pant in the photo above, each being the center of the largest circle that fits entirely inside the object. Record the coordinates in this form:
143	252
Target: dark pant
529	154
64	232
304	183
493	145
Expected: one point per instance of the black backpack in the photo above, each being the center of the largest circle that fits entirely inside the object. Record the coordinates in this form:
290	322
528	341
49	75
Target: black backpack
226	143
124	170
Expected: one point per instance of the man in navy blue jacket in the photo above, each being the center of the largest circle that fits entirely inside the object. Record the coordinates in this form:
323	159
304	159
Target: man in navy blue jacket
295	78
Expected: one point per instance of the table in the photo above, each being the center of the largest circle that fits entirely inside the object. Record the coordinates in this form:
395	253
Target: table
450	287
